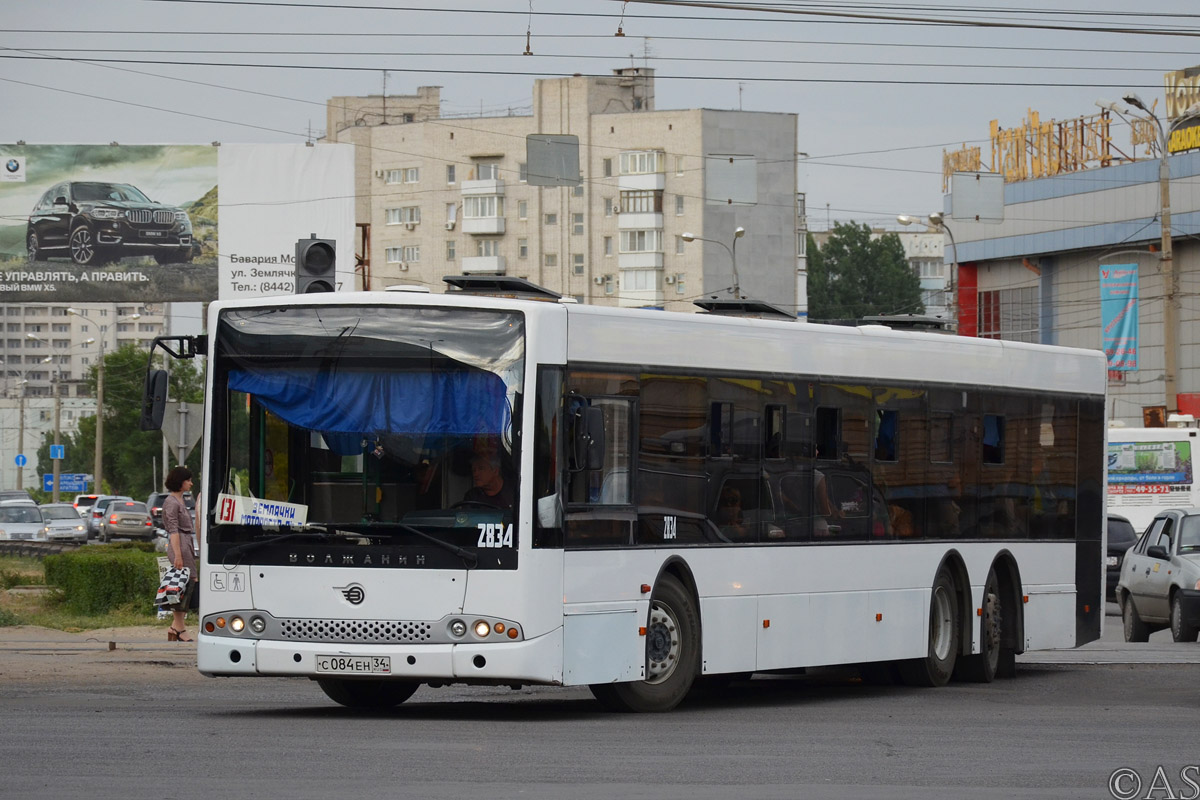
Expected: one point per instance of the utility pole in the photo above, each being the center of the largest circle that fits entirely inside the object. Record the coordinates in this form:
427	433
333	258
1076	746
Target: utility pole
98	466
21	441
57	462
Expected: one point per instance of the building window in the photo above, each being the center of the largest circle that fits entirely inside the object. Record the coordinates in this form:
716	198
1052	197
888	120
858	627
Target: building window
1010	314
679	205
404	216
678	245
483	206
678	165
608	245
608	207
522	172
449	173
578	298
578	190
488	248
522	209
550	259
451	212
487	171
608	167
646	241
930	267
406	175
401	255
552	219
522	248
679	283
451	250
639	280
577	263
610	286
649	201
642	162
577	224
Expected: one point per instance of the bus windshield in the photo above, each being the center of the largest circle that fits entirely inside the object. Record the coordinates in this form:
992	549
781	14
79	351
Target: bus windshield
387	423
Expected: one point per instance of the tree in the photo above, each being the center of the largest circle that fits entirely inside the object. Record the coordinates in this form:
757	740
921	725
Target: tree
130	454
854	276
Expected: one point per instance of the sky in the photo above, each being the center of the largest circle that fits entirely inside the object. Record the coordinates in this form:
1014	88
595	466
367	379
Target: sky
880	89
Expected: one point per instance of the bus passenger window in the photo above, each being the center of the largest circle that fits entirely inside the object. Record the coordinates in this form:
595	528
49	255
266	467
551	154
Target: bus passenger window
610	484
993	439
829	433
886	424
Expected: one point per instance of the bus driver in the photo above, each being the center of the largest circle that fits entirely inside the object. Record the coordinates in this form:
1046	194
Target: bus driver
490	488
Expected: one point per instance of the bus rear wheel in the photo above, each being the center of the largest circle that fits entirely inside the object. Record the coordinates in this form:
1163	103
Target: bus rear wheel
367	694
672	654
984	666
937	666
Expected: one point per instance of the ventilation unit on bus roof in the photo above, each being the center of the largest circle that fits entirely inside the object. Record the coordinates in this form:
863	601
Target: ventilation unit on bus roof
500	285
743	307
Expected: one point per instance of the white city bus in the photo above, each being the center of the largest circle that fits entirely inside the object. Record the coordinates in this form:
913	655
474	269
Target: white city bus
1150	469
407	488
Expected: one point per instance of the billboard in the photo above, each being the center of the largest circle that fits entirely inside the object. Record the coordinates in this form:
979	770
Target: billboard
118	223
108	223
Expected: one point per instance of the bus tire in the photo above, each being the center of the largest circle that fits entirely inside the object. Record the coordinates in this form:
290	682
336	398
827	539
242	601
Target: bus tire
982	667
672	655
937	666
378	694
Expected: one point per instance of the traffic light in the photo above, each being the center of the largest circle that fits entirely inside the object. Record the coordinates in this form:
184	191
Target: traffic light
316	260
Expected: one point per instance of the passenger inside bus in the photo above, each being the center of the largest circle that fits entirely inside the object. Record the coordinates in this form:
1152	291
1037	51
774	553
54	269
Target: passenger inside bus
729	514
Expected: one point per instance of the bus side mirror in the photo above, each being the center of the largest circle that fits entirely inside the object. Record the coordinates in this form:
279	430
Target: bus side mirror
589	438
154	400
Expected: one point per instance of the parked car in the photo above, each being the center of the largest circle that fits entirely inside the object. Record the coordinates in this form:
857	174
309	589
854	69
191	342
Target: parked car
155	501
95	222
83	503
20	520
61	523
1121	537
16	494
1160	579
96	512
126	519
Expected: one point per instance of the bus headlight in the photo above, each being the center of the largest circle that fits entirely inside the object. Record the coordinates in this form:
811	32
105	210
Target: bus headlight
458	629
237	624
482	628
258	624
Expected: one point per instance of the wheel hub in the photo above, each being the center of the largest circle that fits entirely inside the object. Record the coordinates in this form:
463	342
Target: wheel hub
662	644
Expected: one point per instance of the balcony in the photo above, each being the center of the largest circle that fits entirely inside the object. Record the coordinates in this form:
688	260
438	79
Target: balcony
643	182
491	186
483	265
483	224
639	221
647	260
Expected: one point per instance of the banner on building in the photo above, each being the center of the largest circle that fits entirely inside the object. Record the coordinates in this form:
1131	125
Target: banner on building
1119	315
120	223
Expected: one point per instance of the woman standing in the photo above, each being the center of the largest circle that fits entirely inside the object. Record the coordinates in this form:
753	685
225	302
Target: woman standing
180	545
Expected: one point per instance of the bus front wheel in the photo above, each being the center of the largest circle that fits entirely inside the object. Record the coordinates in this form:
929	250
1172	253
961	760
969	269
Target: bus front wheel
937	666
672	654
367	694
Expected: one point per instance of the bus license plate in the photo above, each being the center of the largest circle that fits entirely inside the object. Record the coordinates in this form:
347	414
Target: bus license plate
355	665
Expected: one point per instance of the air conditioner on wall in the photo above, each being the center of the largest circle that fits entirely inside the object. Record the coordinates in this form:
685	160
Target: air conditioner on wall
378	173
450	225
668	280
410	226
403	266
599	279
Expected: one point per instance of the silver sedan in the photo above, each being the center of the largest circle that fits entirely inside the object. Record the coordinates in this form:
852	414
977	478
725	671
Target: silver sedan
1160	579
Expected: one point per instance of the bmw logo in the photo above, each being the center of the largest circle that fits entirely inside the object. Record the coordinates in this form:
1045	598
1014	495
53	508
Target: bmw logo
353	593
13	165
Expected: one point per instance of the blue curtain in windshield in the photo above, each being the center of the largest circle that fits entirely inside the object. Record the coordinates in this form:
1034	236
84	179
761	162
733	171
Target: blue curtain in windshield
454	403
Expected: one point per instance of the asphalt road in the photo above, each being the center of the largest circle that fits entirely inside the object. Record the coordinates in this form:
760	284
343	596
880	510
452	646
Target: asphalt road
138	721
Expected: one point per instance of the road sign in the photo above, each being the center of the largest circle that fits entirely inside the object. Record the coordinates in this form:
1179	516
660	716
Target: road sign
67	482
21	460
58	452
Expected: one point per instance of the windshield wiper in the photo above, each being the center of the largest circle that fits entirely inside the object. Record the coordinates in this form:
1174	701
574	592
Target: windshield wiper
470	558
308	530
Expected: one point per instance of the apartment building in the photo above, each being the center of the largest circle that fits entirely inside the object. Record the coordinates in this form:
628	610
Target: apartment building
449	196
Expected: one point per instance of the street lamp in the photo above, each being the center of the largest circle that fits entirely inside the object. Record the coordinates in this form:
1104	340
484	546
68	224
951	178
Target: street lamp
938	221
54	382
1166	259
738	233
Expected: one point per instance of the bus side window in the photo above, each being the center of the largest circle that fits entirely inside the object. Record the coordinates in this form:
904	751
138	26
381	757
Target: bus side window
600	438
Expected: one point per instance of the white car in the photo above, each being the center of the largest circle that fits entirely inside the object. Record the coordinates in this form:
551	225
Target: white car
21	520
62	523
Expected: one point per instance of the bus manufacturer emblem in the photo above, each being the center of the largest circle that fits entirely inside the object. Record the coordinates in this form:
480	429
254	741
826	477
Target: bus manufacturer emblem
353	593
